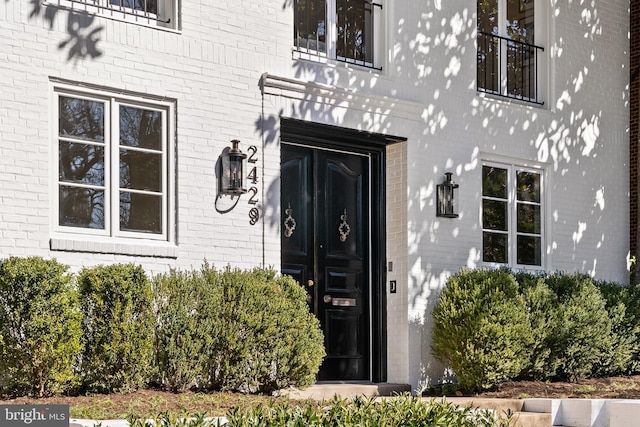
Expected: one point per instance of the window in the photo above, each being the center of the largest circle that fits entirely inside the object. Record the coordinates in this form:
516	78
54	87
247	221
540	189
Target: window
157	13
343	30
509	62
113	166
512	216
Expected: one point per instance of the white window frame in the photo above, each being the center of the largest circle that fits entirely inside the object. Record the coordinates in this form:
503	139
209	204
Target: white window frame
112	232
331	36
512	220
166	18
541	38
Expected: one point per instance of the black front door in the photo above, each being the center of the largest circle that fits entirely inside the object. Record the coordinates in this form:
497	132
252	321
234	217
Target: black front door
325	205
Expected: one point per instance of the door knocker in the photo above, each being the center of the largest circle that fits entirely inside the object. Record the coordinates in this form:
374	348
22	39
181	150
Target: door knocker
289	222
344	228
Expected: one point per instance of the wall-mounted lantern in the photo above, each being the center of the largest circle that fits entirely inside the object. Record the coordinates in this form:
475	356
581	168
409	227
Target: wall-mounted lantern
231	170
446	198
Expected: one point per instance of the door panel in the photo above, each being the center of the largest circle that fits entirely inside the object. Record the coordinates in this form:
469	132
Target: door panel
326	195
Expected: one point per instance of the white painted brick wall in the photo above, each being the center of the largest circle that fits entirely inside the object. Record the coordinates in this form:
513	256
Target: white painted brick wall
426	93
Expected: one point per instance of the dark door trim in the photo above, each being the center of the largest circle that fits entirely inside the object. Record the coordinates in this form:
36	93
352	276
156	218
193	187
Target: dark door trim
374	145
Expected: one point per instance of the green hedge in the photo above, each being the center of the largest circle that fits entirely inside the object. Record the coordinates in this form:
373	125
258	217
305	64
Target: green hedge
623	306
116	301
40	334
113	329
267	339
249	331
496	325
186	327
481	329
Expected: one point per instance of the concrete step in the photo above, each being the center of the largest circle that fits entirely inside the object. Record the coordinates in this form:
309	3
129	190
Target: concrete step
537	417
531	419
328	389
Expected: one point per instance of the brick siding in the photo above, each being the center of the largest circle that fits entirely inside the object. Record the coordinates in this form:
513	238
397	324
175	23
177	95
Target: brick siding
634	115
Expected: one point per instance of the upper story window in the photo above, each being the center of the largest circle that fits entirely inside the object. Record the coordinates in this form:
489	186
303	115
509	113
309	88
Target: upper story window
509	56
155	13
342	30
113	166
512	216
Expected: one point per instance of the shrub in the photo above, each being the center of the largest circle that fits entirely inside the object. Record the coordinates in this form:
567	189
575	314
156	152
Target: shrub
542	306
623	305
265	337
116	302
187	308
248	331
582	336
481	328
40	334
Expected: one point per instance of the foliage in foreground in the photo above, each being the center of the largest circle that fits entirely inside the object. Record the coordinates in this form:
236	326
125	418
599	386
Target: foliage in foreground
401	411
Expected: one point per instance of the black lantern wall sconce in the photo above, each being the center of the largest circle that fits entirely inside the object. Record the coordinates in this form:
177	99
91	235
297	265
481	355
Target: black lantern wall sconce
446	198
231	170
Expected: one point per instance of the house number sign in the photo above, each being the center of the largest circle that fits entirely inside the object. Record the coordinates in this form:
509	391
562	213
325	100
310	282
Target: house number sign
254	212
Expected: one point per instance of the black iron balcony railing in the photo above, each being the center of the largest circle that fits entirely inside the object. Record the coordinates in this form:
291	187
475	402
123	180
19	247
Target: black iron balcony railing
354	26
508	68
143	9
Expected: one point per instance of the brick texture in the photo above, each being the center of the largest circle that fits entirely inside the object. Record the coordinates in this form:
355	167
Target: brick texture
634	116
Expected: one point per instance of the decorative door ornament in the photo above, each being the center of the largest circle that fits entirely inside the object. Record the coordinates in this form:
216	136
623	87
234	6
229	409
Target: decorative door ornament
289	222
344	228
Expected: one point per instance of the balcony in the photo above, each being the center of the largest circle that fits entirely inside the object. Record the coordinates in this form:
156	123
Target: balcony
508	68
154	13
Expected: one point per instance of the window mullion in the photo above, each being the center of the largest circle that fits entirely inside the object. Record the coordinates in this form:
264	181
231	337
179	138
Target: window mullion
513	215
165	183
113	190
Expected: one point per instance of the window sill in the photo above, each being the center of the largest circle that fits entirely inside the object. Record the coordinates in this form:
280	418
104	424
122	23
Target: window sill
149	248
488	96
302	55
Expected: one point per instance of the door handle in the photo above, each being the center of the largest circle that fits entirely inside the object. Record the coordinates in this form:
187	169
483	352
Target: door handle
310	283
327	299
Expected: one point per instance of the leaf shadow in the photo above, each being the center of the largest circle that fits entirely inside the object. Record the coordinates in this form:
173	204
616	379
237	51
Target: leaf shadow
83	32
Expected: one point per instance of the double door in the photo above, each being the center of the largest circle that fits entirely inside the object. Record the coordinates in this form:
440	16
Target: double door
326	246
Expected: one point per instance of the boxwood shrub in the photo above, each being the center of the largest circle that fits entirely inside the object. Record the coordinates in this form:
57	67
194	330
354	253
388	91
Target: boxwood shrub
481	328
231	329
40	334
187	308
267	339
582	337
107	329
118	324
542	306
623	306
570	327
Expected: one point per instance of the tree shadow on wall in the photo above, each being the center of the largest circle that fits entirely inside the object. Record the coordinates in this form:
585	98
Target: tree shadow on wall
83	33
